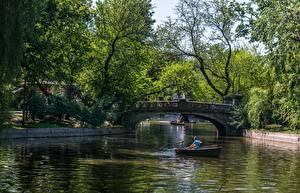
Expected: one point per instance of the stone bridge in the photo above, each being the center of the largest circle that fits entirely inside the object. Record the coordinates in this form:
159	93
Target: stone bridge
217	114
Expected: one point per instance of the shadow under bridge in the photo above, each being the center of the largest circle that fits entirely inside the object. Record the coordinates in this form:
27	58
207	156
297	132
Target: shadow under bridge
218	114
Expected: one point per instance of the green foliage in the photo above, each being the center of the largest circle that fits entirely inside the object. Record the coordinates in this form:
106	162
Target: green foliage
107	57
5	117
74	110
248	70
96	116
10	39
183	78
60	108
17	18
204	31
60	41
37	106
5	100
259	107
118	73
5	96
240	118
84	114
287	102
277	26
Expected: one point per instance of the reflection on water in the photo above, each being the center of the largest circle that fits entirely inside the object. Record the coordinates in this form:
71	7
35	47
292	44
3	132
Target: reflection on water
146	162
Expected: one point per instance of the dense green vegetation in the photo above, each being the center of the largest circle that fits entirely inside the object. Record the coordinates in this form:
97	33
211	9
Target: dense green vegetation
91	62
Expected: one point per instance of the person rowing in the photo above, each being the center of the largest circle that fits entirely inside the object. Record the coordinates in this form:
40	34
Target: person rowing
196	145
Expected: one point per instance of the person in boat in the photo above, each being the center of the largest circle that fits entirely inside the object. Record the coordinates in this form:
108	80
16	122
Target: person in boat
196	144
182	119
179	119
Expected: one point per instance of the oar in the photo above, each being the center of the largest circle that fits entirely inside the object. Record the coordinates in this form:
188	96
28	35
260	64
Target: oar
179	143
203	140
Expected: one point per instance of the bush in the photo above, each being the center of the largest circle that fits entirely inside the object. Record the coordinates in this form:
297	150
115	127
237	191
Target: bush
84	115
58	107
94	116
74	110
37	106
97	116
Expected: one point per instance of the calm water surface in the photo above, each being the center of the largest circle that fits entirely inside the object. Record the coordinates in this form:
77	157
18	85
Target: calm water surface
145	162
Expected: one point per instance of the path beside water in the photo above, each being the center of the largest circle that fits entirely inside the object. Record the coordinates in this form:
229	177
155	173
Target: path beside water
58	132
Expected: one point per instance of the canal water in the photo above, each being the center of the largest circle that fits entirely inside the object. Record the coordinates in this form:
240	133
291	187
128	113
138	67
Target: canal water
145	162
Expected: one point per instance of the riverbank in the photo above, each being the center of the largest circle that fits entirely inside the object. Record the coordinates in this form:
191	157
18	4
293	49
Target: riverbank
272	136
58	132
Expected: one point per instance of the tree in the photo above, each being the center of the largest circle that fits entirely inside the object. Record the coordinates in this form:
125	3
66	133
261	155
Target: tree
10	40
182	78
259	107
276	24
17	19
119	71
249	70
204	31
60	42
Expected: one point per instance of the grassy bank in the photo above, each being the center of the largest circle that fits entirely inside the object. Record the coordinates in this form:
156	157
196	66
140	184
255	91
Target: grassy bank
37	124
49	122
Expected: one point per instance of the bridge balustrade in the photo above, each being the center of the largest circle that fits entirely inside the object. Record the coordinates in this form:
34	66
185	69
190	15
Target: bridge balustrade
181	105
218	114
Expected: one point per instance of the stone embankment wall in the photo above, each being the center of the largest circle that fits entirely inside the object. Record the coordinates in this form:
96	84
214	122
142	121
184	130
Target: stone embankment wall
272	136
57	132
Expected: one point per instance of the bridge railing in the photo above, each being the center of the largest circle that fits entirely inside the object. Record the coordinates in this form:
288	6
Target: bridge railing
181	106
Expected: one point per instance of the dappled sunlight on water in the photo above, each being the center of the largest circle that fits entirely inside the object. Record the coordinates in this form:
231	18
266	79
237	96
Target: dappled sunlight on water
146	162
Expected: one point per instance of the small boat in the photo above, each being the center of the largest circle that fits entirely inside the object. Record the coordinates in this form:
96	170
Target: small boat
205	151
177	123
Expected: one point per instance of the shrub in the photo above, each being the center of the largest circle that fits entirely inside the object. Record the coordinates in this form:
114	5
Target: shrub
37	106
58	107
74	110
84	114
97	116
94	116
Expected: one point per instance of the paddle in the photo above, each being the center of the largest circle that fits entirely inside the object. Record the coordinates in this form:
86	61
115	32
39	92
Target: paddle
202	139
180	144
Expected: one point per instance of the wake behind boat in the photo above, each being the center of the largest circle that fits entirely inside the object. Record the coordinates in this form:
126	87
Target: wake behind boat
205	151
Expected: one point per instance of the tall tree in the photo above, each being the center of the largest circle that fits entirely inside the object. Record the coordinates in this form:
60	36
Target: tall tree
204	31
10	39
60	42
120	51
17	19
277	25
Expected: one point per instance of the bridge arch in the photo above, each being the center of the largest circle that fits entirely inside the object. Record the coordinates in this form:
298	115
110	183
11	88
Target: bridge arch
135	118
217	114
